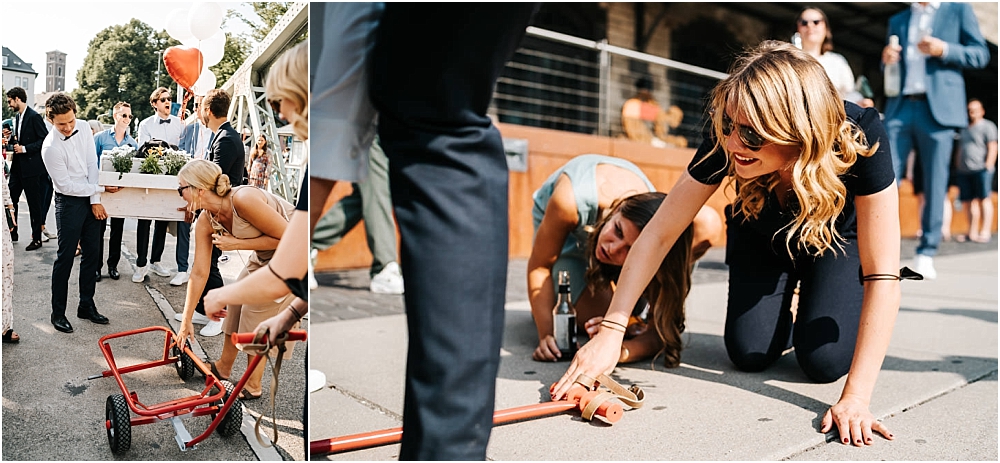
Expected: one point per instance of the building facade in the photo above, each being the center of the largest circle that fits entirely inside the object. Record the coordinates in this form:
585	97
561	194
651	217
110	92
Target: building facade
17	73
55	71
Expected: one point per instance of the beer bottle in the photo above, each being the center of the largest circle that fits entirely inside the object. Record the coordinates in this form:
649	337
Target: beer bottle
564	319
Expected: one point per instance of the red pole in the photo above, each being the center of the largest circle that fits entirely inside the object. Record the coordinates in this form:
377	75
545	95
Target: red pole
510	415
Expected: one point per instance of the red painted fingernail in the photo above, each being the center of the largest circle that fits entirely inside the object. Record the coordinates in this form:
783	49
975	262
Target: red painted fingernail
846	440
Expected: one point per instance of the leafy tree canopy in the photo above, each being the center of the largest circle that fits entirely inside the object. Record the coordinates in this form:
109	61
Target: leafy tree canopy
268	14
121	65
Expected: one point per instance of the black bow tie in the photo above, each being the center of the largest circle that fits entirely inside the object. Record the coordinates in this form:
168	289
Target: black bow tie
71	135
164	121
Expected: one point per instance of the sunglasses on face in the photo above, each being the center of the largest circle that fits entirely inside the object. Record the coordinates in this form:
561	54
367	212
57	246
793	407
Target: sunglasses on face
166	99
180	190
805	22
750	138
125	116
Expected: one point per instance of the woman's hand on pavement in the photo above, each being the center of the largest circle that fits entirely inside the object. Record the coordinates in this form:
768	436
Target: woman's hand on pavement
854	422
597	357
547	350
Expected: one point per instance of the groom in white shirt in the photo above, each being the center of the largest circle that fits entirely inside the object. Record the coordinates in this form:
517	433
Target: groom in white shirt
68	154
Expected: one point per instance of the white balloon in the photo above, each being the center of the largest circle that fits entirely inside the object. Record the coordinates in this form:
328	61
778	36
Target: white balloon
204	19
206	82
213	48
177	25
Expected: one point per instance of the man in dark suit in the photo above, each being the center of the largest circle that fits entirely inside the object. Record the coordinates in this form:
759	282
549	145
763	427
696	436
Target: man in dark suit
226	150
27	172
936	42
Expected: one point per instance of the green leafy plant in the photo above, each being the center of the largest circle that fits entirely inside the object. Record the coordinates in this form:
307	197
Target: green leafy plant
174	161
151	165
121	160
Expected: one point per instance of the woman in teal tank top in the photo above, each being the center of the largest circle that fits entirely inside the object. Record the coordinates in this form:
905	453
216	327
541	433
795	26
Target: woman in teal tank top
586	216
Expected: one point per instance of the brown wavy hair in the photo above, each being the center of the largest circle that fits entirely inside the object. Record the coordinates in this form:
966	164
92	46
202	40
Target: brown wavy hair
788	99
668	289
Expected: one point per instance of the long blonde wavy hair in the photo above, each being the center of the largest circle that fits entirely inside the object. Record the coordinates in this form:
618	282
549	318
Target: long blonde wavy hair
289	78
668	289
787	98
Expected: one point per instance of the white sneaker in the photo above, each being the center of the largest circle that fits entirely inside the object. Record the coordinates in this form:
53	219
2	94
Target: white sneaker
139	275
924	265
47	234
211	329
197	318
317	380
388	281
180	279
157	269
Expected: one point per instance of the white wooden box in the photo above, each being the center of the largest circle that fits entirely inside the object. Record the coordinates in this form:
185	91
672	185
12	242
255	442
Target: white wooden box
143	196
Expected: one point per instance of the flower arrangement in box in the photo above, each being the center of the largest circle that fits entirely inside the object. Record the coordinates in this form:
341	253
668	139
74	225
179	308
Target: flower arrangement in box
121	159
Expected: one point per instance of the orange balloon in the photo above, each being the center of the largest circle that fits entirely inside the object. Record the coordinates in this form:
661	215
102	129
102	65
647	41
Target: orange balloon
183	64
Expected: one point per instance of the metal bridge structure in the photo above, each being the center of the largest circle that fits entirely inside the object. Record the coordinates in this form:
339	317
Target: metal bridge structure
250	110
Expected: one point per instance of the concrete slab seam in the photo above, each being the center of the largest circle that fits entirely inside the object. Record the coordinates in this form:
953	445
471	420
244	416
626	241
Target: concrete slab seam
263	453
367	403
832	435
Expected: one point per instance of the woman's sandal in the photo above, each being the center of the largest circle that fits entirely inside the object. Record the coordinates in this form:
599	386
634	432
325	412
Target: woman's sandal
246	395
10	337
215	372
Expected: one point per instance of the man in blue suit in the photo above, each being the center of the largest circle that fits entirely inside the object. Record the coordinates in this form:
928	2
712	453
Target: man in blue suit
936	41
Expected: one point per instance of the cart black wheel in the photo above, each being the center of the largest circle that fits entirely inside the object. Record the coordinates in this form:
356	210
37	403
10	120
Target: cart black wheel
184	364
231	423
119	424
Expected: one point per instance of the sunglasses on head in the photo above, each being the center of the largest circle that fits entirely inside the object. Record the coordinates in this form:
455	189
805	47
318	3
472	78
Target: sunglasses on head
750	138
805	22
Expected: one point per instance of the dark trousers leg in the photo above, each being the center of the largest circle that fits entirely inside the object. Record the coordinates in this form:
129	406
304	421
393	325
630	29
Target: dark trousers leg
142	242
16	187
183	245
448	177
76	224
761	285
826	323
115	241
159	240
34	194
47	199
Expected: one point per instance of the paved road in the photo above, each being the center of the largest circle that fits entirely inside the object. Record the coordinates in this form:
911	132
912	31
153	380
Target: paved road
937	390
52	412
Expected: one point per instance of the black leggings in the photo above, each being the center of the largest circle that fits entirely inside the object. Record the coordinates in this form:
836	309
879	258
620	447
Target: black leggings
762	280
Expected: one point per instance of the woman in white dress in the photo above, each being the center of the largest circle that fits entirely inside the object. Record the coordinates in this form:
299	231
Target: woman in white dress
9	336
817	40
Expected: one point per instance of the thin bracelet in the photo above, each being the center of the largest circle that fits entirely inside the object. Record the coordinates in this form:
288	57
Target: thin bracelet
297	315
905	273
613	327
273	272
614	322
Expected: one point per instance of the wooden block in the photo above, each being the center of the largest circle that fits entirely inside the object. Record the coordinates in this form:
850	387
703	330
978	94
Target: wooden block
144	203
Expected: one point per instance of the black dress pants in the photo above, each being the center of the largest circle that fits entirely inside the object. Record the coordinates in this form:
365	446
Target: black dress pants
762	280
114	242
142	241
77	224
34	189
448	176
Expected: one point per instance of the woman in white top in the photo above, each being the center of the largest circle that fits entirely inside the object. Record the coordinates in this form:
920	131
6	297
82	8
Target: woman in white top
817	40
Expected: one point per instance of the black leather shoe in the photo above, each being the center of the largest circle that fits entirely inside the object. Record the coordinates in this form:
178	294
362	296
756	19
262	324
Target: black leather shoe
98	279
89	312
113	273
62	324
35	244
13	237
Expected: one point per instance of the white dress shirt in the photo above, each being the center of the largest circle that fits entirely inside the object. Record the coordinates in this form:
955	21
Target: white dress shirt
151	127
71	163
921	24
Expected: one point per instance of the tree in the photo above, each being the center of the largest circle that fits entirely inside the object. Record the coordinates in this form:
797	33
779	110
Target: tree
268	14
121	65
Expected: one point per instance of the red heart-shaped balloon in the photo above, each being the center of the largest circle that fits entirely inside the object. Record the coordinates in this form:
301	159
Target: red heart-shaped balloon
183	64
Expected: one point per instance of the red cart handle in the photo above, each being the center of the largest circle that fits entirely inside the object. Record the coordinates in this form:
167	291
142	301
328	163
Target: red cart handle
248	338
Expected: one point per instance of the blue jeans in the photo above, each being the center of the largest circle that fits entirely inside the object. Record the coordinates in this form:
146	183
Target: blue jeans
914	127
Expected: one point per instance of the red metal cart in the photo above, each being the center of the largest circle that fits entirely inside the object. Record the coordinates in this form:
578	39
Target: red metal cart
219	398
